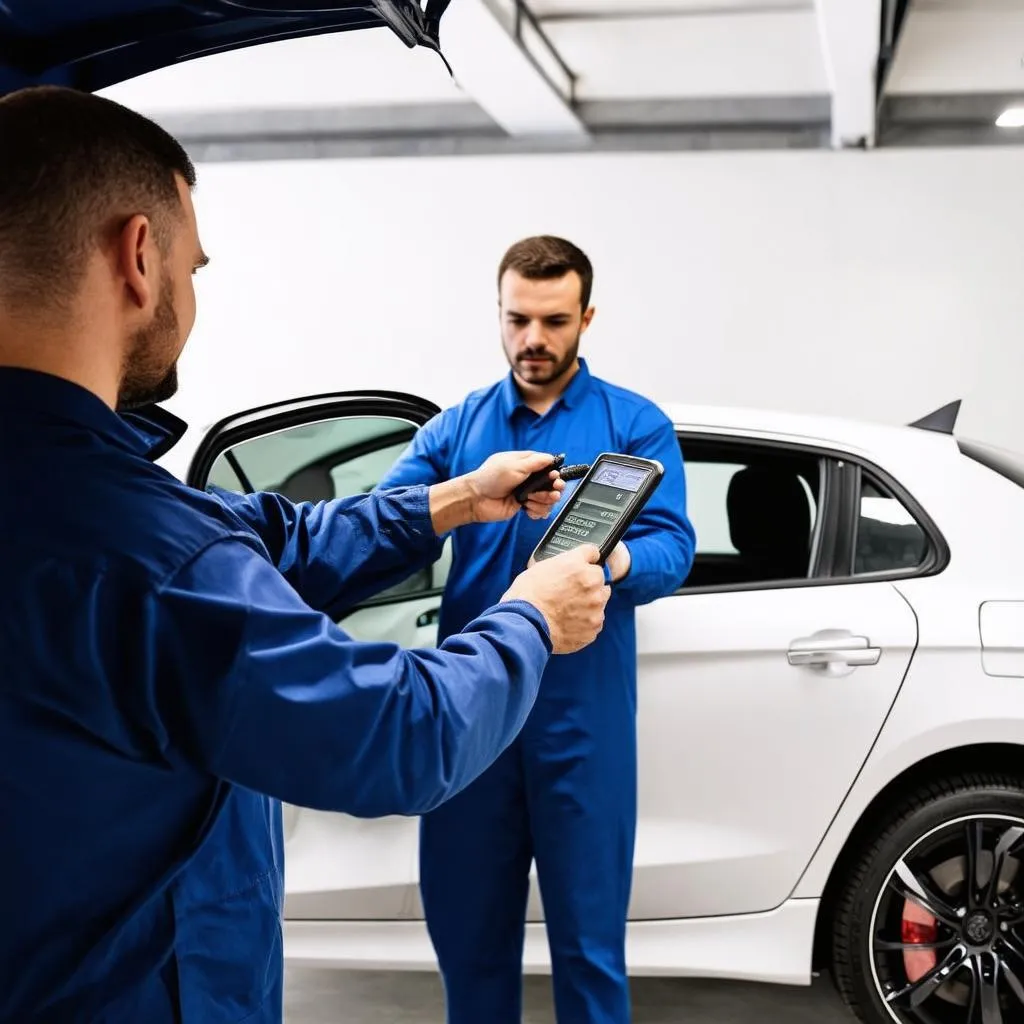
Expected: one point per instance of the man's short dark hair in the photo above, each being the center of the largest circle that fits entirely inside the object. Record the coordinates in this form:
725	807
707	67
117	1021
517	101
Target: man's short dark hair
545	257
72	167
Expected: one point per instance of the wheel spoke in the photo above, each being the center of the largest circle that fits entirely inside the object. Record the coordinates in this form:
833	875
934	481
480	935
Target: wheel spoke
884	946
914	994
911	887
974	1003
1004	847
1012	963
974	841
985	969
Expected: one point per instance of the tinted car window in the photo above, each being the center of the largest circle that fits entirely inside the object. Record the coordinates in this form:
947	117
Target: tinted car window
888	537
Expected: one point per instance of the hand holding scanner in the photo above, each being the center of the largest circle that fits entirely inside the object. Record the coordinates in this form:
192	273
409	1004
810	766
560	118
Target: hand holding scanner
538	481
603	507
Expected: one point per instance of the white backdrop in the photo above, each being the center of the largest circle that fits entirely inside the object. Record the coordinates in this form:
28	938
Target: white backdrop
872	285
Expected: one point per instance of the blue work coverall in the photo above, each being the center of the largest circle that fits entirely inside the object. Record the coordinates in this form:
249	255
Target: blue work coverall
169	669
564	793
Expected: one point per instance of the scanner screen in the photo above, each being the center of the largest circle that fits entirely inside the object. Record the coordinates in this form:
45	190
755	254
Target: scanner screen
624	478
596	506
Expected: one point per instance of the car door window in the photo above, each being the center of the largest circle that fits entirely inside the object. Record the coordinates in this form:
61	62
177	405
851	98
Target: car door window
320	461
759	512
330	458
888	538
224	475
707	486
755	510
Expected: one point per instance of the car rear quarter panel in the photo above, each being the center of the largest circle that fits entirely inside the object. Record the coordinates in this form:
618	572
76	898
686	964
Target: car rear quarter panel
947	701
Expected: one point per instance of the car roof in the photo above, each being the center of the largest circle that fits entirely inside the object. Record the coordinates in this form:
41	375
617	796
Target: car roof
846	434
93	44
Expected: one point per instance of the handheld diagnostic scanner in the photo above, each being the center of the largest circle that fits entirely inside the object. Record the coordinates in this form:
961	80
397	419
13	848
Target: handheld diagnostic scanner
607	501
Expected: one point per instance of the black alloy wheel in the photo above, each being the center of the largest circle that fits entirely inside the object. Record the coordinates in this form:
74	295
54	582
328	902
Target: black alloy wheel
930	926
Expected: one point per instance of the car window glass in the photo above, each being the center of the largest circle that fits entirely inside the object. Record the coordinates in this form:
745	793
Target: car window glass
222	474
888	537
754	510
332	458
707	487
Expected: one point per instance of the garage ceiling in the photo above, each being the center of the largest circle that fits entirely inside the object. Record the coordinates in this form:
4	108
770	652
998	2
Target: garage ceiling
541	75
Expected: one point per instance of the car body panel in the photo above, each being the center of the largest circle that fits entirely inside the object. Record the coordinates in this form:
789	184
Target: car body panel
828	431
773	948
948	703
726	724
713	838
1001	628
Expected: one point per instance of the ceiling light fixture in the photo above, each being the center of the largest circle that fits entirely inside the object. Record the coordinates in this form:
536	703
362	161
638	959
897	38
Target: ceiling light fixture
1011	117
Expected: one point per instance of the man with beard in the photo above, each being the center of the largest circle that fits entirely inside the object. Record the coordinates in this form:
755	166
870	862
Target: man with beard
170	667
564	793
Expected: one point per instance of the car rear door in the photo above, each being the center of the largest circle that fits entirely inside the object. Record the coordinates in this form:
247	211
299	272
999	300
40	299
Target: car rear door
761	694
337	867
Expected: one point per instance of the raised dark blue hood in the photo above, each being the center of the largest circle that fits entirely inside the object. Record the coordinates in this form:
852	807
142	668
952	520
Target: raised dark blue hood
92	44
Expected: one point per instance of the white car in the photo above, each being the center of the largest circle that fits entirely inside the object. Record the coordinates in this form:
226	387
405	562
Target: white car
831	712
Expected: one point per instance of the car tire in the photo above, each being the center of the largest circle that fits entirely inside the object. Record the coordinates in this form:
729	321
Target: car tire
895	961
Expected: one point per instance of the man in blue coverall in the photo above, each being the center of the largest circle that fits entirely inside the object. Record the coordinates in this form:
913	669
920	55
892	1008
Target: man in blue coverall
169	662
564	793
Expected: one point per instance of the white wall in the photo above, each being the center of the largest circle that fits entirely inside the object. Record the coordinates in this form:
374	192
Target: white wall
872	285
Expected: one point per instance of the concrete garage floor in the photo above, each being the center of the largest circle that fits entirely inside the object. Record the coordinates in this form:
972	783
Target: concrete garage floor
340	997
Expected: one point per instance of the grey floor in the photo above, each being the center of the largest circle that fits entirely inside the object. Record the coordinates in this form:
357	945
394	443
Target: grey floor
338	997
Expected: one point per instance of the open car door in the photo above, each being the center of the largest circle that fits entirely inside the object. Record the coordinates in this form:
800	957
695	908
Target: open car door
332	446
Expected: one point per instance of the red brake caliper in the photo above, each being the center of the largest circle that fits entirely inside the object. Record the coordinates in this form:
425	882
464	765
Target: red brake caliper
918	927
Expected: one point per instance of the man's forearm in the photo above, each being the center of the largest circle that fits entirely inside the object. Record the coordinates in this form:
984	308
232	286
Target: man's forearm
337	553
451	505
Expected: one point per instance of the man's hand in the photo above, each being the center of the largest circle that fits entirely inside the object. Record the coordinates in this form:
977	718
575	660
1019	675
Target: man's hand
570	592
485	495
492	485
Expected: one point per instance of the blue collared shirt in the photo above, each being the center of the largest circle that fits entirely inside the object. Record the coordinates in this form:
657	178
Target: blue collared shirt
169	670
590	417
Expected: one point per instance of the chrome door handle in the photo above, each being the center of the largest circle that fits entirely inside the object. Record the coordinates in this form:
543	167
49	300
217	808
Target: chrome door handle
868	656
833	648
